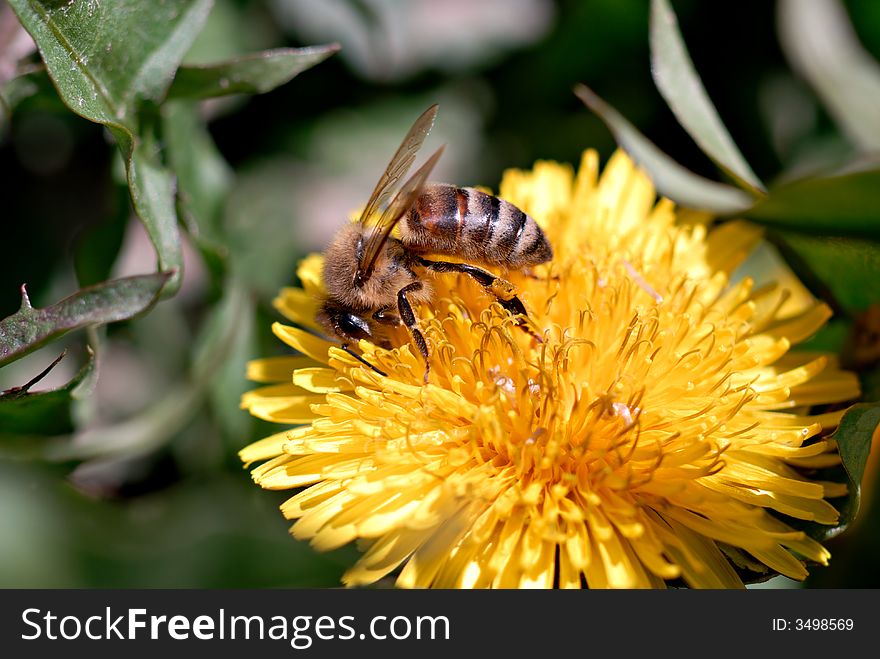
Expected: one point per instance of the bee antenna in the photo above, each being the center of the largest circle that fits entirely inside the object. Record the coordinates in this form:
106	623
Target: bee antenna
363	361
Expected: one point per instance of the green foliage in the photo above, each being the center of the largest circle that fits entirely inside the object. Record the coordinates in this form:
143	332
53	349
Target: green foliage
853	437
116	64
844	267
113	63
670	178
43	413
841	201
839	204
822	45
119	64
249	74
680	85
106	60
220	358
832	269
203	176
112	301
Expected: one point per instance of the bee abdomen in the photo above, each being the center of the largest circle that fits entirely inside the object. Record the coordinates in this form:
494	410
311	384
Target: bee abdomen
468	223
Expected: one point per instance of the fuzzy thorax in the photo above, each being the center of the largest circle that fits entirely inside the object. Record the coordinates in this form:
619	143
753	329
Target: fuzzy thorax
392	272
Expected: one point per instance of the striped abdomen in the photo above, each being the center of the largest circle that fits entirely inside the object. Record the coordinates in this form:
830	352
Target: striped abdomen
475	226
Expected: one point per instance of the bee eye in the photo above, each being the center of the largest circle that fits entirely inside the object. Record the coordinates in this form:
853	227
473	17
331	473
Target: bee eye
354	326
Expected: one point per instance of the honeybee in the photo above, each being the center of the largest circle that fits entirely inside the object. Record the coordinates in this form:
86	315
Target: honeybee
373	279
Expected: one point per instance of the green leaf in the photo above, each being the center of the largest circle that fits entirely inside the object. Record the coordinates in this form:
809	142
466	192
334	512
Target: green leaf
221	352
162	420
106	56
258	229
219	332
845	204
138	435
233	28
821	44
106	59
854	436
204	178
680	85
230	383
840	270
45	412
112	301
248	74
671	179
152	189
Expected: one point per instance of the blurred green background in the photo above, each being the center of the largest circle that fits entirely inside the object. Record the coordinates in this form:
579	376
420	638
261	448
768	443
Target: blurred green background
160	499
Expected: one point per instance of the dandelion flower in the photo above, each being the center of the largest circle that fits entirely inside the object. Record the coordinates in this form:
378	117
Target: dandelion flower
659	434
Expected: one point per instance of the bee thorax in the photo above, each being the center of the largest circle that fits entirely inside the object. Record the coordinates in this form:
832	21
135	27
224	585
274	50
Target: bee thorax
375	291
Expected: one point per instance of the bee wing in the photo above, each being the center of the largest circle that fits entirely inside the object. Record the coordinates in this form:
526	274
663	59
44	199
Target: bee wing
400	163
398	207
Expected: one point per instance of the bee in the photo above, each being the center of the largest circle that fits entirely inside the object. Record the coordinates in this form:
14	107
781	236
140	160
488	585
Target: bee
373	279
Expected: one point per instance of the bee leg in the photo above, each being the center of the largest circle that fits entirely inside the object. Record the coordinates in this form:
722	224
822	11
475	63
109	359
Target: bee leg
491	283
409	319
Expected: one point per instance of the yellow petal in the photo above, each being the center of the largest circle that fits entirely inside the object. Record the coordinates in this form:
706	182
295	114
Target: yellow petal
424	564
320	380
299	307
281	403
310	273
384	555
306	343
276	369
264	449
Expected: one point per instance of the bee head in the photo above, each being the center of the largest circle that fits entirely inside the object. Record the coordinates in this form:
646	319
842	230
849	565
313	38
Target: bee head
345	323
